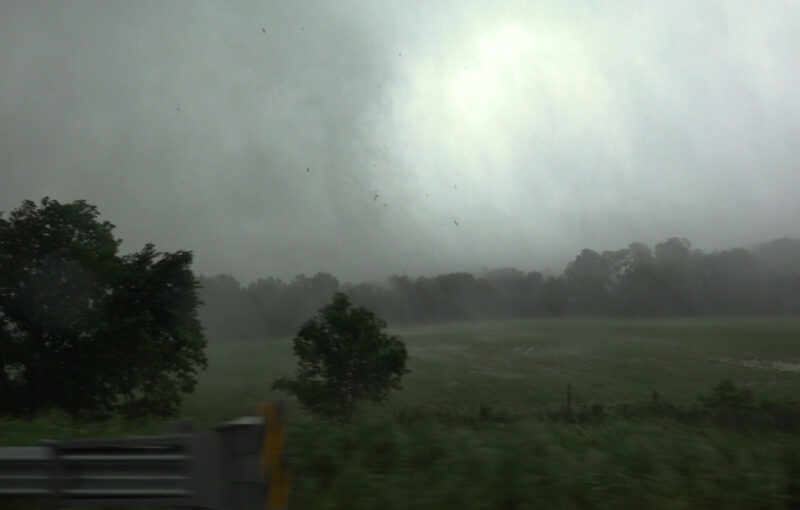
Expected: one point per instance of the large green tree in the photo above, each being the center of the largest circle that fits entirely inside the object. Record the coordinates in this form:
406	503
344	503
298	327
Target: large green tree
85	329
344	357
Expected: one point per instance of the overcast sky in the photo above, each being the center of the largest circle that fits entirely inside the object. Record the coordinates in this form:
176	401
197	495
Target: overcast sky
370	138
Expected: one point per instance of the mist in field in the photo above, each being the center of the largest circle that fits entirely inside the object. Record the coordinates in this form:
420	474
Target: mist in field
369	139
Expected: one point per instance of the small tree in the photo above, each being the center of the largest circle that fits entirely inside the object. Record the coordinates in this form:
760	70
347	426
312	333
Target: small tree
728	397
86	330
344	358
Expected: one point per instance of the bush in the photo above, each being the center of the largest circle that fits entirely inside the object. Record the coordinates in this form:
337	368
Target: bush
726	396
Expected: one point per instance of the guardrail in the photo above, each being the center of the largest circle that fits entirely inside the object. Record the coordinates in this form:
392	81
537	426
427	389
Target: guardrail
235	466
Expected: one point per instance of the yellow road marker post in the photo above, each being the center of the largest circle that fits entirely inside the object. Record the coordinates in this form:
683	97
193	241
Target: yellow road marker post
272	453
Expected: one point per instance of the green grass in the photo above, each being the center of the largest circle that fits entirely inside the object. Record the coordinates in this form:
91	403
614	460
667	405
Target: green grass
542	465
467	429
528	363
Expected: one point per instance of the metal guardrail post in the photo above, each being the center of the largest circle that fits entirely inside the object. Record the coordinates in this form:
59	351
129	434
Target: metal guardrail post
244	485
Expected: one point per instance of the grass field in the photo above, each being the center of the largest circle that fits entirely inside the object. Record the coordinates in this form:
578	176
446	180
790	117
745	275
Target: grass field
470	427
522	366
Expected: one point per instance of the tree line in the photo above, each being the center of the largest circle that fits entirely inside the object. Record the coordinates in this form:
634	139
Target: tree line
669	279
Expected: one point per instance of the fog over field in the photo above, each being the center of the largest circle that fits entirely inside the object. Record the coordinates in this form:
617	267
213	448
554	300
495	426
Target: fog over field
371	138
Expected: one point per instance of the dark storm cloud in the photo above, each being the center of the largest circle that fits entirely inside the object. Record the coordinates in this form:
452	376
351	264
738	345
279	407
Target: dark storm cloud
237	130
274	138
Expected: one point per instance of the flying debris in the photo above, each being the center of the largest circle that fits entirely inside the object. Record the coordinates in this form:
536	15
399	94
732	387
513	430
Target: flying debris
456	222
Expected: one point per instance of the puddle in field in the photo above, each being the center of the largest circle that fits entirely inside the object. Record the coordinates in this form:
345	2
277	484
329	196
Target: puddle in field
440	350
497	373
780	366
